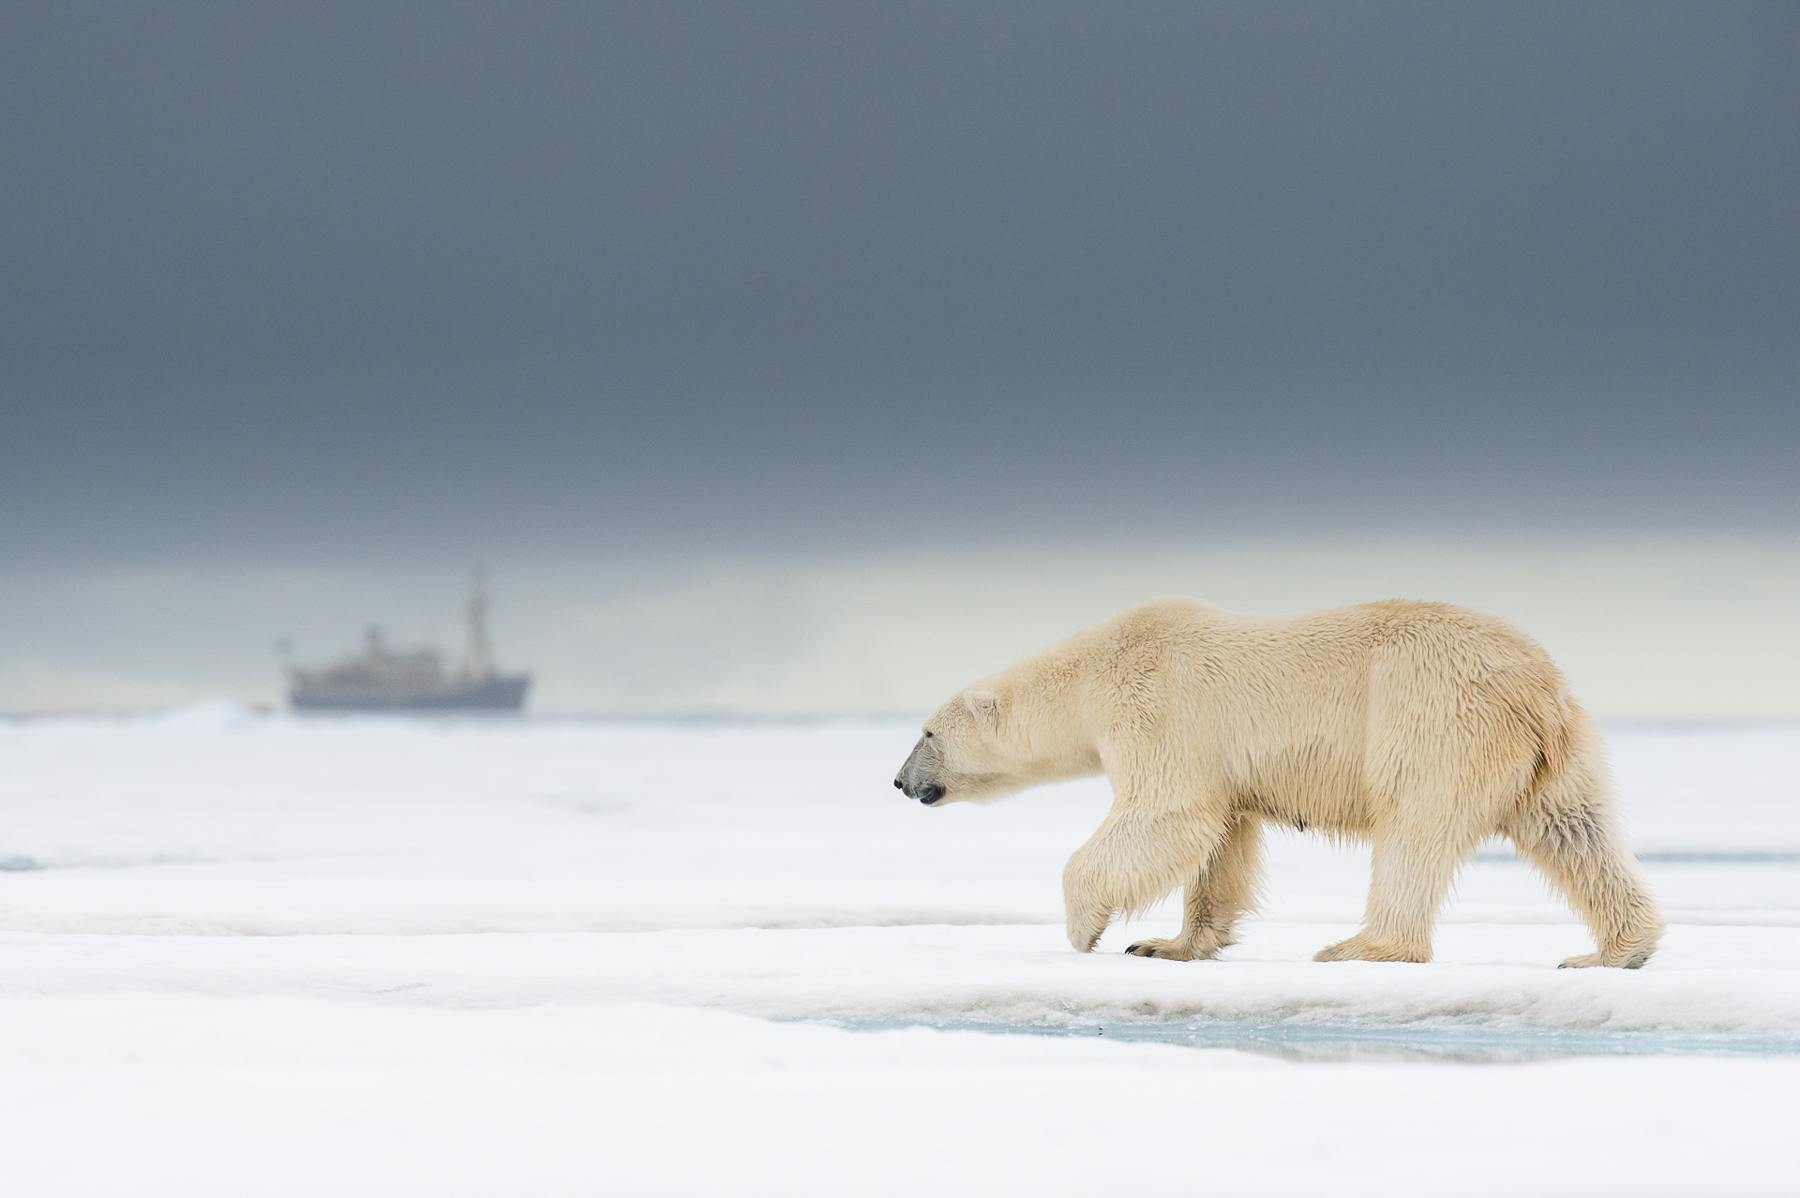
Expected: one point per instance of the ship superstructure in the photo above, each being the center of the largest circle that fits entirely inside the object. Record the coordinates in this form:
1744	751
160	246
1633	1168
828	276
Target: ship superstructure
385	679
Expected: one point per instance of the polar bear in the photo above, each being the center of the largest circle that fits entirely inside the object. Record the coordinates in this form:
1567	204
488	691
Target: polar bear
1421	727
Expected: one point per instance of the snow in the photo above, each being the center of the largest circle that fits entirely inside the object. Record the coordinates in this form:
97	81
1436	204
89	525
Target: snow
244	953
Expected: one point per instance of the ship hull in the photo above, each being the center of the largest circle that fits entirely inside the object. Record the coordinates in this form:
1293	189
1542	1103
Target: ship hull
505	692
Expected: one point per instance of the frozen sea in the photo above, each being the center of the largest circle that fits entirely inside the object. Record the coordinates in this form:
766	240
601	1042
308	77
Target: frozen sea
247	954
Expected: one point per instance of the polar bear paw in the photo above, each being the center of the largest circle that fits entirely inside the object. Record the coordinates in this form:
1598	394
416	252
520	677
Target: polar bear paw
1603	960
1085	931
1174	949
1361	948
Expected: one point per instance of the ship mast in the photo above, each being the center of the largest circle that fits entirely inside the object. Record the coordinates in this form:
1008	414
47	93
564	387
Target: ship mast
478	659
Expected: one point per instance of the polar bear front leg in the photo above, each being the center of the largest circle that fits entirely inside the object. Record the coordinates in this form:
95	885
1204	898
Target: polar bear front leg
1085	918
1133	859
1217	897
1088	902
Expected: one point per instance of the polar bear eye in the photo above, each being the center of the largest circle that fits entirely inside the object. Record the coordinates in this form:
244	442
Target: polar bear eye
929	734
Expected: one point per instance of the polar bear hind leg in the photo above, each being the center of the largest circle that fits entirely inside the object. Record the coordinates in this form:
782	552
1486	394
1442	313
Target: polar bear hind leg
1569	833
1411	875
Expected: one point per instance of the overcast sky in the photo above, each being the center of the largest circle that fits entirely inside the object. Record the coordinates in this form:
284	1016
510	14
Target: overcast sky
760	348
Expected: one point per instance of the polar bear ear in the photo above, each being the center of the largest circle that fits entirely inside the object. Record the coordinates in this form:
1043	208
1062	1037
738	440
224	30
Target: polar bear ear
985	707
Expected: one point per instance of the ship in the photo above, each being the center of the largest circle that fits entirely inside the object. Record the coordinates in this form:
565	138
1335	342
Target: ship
401	681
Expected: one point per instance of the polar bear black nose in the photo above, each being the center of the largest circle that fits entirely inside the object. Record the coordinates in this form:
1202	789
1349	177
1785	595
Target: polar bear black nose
899	785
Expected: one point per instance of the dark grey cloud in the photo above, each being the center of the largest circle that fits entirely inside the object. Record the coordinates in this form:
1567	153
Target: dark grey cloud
333	281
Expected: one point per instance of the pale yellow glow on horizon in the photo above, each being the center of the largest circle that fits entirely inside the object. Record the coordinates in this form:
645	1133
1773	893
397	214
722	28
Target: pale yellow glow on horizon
1672	629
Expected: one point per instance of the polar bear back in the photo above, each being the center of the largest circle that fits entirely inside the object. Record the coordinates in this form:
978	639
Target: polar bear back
1327	718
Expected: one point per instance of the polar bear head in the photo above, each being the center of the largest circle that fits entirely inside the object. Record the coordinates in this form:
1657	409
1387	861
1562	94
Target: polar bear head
964	754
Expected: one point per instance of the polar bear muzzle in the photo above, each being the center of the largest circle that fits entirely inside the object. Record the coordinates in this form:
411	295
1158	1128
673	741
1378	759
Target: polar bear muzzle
919	776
